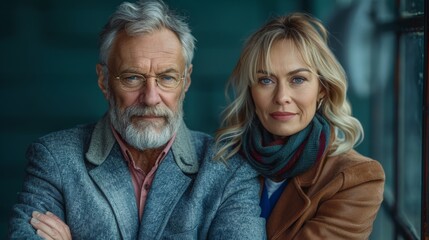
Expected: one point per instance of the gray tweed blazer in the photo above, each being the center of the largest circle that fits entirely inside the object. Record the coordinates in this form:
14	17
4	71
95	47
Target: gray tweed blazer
80	175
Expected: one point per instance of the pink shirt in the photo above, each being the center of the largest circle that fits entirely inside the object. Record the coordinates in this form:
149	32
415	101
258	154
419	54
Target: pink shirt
141	181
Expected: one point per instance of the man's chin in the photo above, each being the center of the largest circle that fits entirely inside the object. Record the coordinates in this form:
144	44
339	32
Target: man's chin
155	128
141	122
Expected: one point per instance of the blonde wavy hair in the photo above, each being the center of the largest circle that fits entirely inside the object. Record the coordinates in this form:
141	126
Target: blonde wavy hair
310	38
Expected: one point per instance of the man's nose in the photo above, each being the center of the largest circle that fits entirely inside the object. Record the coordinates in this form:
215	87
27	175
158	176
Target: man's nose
149	95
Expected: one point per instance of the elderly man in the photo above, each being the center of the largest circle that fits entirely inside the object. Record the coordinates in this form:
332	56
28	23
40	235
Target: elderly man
138	173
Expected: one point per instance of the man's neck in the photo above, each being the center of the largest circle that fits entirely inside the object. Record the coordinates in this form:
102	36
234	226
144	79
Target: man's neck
145	159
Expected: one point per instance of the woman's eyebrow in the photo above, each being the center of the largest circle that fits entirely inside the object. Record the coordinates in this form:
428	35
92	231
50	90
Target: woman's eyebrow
261	71
299	70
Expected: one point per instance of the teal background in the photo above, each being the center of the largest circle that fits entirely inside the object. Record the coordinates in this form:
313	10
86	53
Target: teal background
47	68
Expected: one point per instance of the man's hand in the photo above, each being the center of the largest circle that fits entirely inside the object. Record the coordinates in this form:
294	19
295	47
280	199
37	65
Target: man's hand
49	226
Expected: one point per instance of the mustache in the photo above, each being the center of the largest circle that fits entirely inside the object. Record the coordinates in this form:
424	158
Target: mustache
158	111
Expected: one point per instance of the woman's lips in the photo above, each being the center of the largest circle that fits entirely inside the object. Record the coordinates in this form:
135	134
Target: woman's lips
283	116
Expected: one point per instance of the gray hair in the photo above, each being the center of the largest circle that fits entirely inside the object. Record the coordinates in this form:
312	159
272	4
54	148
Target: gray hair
145	17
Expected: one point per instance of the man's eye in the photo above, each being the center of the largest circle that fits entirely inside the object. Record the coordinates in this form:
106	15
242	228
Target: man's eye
167	78
131	79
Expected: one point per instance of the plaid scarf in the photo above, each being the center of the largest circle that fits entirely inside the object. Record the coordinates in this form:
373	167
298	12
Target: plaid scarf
285	158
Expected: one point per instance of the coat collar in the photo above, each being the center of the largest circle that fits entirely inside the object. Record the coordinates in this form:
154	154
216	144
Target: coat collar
283	216
102	142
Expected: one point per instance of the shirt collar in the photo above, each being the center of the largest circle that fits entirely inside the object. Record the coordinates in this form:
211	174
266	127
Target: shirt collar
126	152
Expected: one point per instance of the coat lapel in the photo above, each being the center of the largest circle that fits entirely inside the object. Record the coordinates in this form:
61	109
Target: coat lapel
167	189
291	205
293	202
114	180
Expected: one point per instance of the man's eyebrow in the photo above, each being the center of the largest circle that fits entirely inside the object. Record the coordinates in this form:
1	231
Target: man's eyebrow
135	70
168	70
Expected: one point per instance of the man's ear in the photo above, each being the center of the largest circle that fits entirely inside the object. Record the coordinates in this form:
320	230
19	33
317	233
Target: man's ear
102	82
188	78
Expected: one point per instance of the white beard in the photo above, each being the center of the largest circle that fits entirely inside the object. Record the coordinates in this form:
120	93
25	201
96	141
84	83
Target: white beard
143	134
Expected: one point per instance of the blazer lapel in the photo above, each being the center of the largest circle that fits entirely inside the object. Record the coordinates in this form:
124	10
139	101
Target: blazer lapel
167	188
170	182
114	180
112	177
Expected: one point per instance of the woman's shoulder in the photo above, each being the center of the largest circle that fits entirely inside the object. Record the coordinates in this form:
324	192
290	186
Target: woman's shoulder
352	159
354	167
345	171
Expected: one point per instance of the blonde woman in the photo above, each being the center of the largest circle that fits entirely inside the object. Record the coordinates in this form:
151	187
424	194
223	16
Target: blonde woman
292	122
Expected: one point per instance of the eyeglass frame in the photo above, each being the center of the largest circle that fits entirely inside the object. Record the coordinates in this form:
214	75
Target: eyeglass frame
145	77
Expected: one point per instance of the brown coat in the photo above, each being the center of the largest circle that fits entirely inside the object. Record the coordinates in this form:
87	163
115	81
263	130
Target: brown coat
336	199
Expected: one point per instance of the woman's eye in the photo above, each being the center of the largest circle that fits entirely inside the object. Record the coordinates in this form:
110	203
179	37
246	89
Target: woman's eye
298	80
265	80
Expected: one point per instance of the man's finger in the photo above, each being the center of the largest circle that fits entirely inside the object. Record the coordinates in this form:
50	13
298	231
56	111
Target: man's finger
49	226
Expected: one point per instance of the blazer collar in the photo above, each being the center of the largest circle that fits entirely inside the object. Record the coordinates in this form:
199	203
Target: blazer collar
184	151
112	176
102	142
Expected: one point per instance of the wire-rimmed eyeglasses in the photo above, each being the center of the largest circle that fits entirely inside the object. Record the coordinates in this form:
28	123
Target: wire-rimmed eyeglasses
132	81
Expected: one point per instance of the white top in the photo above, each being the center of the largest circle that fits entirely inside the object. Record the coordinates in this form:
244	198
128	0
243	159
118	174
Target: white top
272	186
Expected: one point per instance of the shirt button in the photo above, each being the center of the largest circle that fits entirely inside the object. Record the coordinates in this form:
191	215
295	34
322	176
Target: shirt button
146	187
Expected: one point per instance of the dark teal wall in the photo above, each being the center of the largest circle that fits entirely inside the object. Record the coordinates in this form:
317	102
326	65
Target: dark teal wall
47	68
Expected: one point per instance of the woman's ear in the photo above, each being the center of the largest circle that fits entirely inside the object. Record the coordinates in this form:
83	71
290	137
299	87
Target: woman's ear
321	95
102	81
322	91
